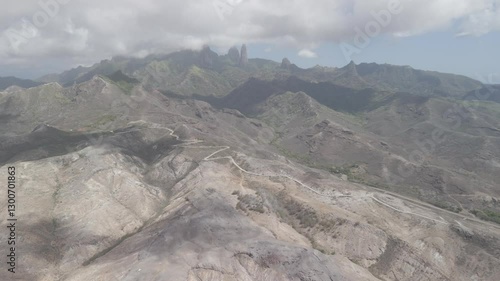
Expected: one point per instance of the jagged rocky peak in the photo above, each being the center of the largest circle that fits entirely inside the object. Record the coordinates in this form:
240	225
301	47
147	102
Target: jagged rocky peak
285	63
207	57
350	68
244	55
234	54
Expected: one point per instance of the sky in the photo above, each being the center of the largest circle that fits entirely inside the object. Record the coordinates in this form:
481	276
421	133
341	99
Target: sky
38	37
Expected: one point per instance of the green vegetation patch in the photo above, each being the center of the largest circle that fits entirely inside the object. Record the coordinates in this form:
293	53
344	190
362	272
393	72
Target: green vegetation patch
306	216
487	215
122	81
345	170
103	120
250	202
302	159
447	206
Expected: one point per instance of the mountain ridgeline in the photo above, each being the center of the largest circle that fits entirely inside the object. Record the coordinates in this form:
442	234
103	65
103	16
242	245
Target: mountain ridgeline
6	82
206	73
200	166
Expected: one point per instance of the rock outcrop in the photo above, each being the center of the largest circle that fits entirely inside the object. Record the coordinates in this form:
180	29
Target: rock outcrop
285	63
207	57
234	55
244	56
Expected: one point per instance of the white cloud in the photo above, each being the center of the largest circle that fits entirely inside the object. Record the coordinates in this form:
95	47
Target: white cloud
306	53
481	23
87	31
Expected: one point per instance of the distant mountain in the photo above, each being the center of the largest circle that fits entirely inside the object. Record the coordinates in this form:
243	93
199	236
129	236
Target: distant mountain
407	79
6	82
105	67
186	72
207	73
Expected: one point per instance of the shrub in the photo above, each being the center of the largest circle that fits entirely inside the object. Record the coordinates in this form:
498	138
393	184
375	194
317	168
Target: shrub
487	215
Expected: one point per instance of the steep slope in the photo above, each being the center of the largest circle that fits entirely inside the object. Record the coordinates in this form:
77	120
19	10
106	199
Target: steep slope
440	150
82	107
272	173
190	192
350	100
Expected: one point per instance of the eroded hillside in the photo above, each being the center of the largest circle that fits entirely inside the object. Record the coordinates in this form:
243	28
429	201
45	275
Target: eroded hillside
134	185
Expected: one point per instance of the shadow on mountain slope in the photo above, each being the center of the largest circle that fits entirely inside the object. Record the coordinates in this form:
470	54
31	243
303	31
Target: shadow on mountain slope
45	141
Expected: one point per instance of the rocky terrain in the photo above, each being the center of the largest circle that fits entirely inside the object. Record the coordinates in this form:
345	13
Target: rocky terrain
195	166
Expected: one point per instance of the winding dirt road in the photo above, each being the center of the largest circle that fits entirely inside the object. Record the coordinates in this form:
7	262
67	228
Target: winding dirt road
220	149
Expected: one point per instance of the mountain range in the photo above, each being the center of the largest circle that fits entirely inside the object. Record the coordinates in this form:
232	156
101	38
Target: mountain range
200	166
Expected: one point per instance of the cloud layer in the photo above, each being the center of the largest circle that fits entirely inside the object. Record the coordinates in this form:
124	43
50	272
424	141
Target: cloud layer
84	31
